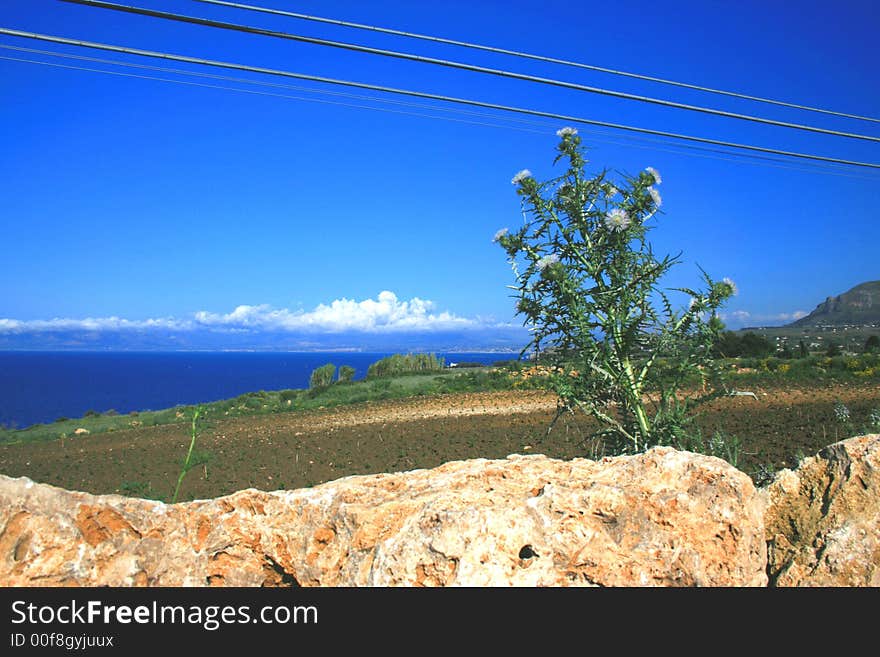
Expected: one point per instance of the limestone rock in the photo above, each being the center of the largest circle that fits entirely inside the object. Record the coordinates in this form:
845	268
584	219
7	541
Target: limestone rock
823	519
664	518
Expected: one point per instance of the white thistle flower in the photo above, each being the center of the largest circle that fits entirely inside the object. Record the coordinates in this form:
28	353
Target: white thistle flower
522	175
501	233
546	261
654	174
566	132
617	220
732	285
655	196
841	412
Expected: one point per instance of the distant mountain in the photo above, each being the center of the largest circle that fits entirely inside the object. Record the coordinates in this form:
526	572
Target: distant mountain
860	306
505	339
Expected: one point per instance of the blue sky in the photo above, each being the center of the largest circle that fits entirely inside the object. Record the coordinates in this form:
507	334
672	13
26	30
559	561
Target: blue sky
131	202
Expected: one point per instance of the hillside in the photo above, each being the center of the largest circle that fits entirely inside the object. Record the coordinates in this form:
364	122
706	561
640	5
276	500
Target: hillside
860	306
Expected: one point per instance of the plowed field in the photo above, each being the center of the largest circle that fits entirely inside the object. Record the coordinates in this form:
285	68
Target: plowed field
293	450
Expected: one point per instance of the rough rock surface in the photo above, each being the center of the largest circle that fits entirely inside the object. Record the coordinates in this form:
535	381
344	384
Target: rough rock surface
664	518
823	519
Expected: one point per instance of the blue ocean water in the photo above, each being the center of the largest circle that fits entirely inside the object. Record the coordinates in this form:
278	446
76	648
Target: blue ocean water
39	387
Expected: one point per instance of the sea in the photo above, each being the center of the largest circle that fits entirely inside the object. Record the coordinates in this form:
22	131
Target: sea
38	387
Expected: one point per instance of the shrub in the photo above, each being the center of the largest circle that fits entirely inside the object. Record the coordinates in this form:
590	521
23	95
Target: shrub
747	345
254	403
398	364
346	373
322	376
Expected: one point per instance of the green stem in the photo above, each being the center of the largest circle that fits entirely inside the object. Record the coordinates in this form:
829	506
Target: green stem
635	394
185	468
634	389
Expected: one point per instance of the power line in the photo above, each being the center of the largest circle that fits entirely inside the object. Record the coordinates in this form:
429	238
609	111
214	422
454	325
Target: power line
430	96
824	168
706	153
263	83
462	66
525	55
267	93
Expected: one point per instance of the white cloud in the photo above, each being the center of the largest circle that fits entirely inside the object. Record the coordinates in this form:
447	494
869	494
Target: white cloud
386	313
90	324
744	317
737	315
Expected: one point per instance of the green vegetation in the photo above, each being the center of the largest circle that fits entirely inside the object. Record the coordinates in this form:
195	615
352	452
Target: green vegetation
346	373
323	376
189	462
719	444
400	364
758	371
586	279
735	345
846	425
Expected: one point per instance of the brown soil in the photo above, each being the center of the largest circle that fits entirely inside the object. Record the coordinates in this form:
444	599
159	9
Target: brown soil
293	450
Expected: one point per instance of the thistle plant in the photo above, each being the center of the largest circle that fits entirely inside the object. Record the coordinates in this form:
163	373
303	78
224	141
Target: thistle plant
841	412
588	287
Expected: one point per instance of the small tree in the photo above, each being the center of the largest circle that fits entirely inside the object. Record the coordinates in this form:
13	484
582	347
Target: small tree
872	344
346	373
588	287
398	364
755	346
323	376
727	345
